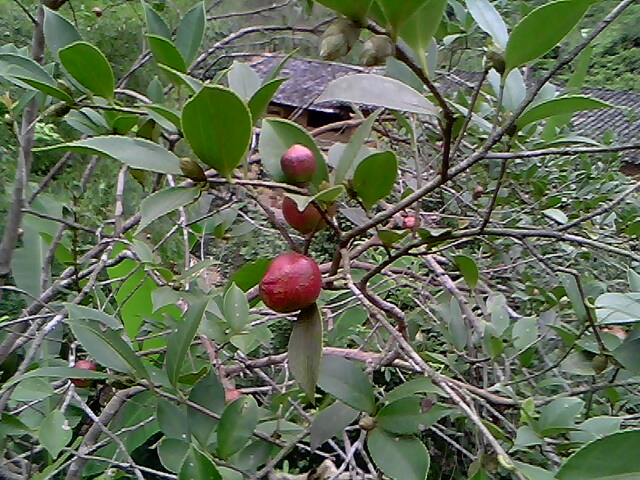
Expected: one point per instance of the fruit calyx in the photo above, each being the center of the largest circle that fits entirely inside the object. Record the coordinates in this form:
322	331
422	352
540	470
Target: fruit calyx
292	282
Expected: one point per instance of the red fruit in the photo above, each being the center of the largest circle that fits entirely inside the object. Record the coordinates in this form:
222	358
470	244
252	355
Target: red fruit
292	282
306	221
298	164
83	365
231	395
411	222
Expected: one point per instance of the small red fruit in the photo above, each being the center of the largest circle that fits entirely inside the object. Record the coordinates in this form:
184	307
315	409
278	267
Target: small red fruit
298	164
410	222
83	365
97	11
306	221
231	395
292	282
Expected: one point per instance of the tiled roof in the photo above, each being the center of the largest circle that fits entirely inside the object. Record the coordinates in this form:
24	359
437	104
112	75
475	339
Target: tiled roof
309	78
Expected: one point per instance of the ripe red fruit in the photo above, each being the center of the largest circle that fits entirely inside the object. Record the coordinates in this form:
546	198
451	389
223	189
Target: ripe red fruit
292	282
298	164
231	395
83	365
306	221
411	222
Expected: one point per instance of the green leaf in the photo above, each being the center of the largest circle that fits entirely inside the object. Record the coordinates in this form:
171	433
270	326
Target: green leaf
250	274
167	118
417	385
375	177
209	394
135	152
155	23
29	72
378	91
353	9
557	215
237	425
172	420
330	422
419	29
401	417
88	65
276	136
560	106
262	97
573	293
604	459
489	20
166	53
525	332
191	32
243	80
27	262
557	19
78	312
236	309
193	84
534	473
58	31
618	308
58	373
55	433
346	381
468	269
107	347
197	466
217	124
596	427
398	13
401	458
634	281
559	416
172	453
628	353
351	151
163	202
305	349
179	343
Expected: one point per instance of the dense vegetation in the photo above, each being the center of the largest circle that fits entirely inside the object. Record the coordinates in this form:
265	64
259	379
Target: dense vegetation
478	261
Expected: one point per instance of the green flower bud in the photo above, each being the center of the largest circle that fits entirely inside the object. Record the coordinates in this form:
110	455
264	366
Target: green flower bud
376	50
338	39
192	170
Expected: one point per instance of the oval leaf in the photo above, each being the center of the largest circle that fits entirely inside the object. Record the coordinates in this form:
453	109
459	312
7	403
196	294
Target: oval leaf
401	458
237	425
155	23
330	422
135	152
397	13
88	65
191	32
58	31
262	97
197	465
55	433
375	177
346	381
209	394
305	349
236	309
469	269
556	19
166	53
217	124
560	106
31	73
420	28
160	203
379	91
489	20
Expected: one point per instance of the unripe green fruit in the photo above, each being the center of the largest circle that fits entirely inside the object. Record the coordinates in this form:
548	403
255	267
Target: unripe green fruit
192	170
599	363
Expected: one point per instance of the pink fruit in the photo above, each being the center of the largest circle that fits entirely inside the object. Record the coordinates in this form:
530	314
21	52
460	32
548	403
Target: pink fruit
298	164
306	221
83	365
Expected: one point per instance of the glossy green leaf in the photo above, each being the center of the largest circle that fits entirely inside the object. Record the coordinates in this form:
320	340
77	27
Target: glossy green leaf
163	202
375	177
468	269
250	274
596	427
305	349
107	347
401	417
534	473
191	32
197	466
193	84
353	9
330	423
243	80
27	71
237	425
346	381
179	342
276	136
155	23
78	312
55	433
166	53
135	152
525	332
89	67
351	152
628	353
27	262
559	415
560	106
236	309
604	459
400	458
419	29
167	118
398	13
574	295
172	420
172	453
489	20
57	373
209	394
58	31
618	308
417	385
557	19
218	126
260	100
377	91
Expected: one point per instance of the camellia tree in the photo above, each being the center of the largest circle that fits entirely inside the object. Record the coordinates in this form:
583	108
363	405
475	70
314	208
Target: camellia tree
457	283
